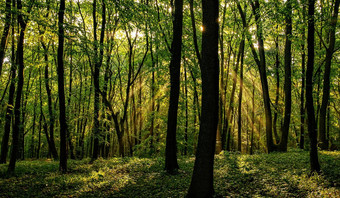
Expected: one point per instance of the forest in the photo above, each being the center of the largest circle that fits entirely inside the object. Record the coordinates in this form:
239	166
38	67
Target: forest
179	98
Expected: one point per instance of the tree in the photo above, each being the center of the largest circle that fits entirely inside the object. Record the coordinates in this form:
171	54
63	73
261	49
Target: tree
98	63
17	127
5	33
314	161
9	108
324	142
171	164
303	79
288	80
61	92
202	179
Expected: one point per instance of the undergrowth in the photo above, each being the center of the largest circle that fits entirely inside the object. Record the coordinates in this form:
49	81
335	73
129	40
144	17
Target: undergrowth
260	175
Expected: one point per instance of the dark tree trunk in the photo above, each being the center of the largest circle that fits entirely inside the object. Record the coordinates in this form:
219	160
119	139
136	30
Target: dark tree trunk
9	108
186	113
194	34
17	121
288	81
171	164
312	130
33	129
261	63
96	88
98	64
69	132
324	142
5	33
50	108
152	97
202	178
303	78
230	111
61	90
239	137
277	75
252	121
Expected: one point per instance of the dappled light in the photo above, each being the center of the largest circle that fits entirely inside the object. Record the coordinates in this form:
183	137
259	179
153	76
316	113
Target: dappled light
259	175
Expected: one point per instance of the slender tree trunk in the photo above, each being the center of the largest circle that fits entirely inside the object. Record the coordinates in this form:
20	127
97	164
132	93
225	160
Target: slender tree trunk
252	121
186	112
5	33
50	108
312	130
202	178
239	140
33	130
277	75
98	63
303	78
9	108
171	164
324	142
152	96
96	88
17	107
39	136
261	63
61	91
288	81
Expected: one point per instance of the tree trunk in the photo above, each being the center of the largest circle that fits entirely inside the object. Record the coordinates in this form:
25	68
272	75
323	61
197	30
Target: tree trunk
171	164
186	112
252	121
303	78
9	108
277	75
17	122
261	63
324	142
312	130
288	80
239	137
202	178
5	33
98	64
50	108
61	91
33	129
96	88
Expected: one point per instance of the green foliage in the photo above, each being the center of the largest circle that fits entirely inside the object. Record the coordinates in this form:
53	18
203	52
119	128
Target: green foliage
261	175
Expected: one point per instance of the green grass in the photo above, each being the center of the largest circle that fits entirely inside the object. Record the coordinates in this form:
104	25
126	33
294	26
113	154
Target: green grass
262	175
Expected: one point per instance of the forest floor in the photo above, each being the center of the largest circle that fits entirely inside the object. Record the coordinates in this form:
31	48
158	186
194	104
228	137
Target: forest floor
235	175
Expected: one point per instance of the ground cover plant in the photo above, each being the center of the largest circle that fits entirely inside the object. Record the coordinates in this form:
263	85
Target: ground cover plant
235	175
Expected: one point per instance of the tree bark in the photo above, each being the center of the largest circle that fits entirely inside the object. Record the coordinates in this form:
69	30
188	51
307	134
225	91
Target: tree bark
202	178
303	79
261	63
324	141
277	75
61	90
50	108
20	61
252	120
171	164
288	82
239	119
312	130
9	108
5	33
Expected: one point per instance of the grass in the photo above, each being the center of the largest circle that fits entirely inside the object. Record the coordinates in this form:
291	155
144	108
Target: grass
261	175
